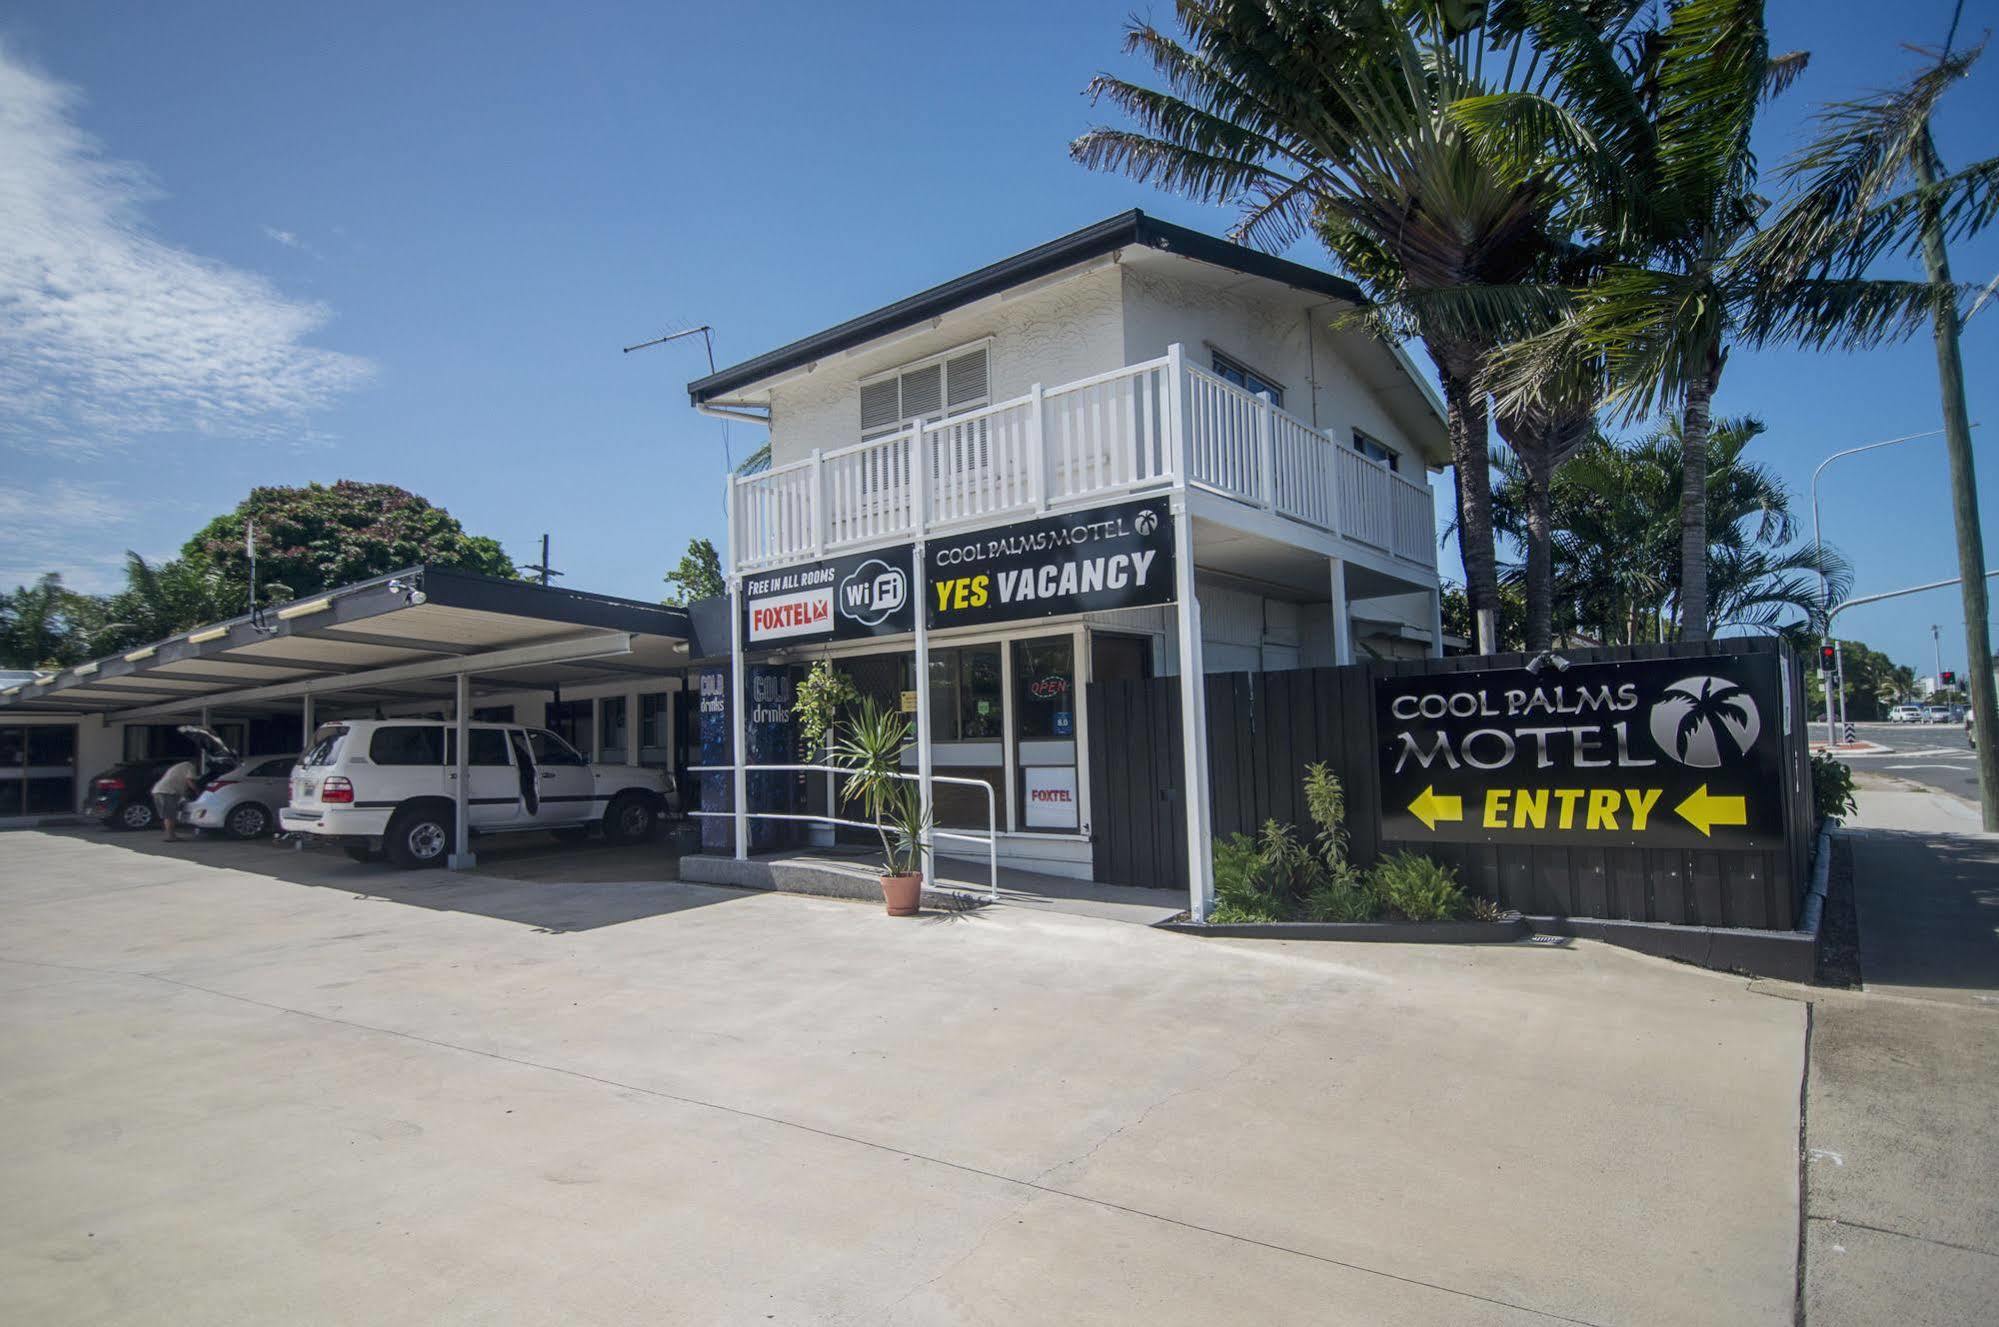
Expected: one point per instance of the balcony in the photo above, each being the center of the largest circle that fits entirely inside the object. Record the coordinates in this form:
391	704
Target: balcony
1161	424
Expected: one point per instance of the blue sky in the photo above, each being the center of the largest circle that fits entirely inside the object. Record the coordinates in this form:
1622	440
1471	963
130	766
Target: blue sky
405	243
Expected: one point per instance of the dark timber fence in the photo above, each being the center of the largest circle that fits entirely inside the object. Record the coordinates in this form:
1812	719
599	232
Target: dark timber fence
1264	728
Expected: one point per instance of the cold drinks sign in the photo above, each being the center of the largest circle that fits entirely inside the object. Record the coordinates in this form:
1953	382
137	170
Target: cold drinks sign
1654	753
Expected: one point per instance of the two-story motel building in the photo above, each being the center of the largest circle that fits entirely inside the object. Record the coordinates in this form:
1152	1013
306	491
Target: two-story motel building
1136	450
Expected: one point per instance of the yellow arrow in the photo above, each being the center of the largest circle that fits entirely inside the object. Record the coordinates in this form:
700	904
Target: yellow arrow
1430	808
1704	812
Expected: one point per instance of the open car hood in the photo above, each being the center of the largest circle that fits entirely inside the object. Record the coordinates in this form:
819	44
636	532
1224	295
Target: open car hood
210	744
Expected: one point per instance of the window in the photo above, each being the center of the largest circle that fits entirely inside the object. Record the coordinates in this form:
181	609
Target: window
947	384
549	749
966	702
570	719
1374	450
407	745
488	746
325	746
1044	687
655	713
1247	378
493	714
274	769
37	769
611	730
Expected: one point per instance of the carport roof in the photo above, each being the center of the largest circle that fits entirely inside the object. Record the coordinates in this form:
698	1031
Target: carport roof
369	643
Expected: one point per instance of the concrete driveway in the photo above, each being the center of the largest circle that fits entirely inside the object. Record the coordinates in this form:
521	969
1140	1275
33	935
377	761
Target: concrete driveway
310	1091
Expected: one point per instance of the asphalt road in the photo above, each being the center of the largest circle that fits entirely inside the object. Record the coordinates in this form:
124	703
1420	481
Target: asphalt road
1935	754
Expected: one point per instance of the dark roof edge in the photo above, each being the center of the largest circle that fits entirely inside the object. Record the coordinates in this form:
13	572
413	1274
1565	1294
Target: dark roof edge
1120	231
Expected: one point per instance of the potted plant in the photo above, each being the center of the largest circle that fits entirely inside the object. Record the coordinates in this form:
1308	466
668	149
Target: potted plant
869	752
816	707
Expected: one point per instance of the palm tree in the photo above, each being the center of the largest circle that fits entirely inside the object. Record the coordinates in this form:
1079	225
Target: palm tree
1336	117
1871	186
1657	130
1615	539
39	625
161	599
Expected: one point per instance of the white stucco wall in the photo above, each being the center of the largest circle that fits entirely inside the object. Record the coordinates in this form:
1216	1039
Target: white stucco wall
1268	335
1057	334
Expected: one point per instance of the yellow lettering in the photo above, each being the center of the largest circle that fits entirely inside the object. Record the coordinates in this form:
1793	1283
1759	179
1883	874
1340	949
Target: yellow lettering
1530	808
944	594
1495	807
961	593
1641	803
1568	797
979	591
1602	809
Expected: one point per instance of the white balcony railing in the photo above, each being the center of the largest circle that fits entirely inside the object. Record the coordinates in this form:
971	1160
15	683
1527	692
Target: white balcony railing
1131	429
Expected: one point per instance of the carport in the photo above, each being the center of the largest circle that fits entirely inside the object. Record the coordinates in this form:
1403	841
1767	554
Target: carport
423	634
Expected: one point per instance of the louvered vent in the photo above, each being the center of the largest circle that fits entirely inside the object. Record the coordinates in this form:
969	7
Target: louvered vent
881	406
923	392
965	380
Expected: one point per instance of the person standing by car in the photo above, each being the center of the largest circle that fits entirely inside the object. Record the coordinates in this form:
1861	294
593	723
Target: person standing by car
173	788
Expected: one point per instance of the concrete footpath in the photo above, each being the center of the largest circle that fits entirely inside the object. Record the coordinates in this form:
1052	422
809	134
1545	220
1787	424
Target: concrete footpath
241	1086
1902	1133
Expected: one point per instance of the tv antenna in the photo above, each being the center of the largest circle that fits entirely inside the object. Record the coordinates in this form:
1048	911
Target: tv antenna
707	334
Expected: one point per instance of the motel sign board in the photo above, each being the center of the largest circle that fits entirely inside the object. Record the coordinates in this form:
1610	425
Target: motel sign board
1659	753
844	598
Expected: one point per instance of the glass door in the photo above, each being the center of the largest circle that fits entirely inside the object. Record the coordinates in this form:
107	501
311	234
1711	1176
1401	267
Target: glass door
968	733
37	769
1046	793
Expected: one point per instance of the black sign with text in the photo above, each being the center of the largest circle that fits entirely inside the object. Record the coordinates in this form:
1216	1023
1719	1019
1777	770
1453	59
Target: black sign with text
1658	753
844	598
1119	556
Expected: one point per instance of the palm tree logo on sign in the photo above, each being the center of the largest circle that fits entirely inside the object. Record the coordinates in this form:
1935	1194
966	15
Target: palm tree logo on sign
1689	721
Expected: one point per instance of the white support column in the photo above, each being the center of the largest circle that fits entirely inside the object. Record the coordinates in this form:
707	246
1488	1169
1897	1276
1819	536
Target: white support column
305	722
1193	716
1342	619
1437	622
596	730
821	507
923	762
739	745
461	858
1177	450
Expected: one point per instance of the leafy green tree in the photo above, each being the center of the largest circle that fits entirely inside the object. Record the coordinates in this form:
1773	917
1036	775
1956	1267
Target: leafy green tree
697	576
1874	682
46	625
320	536
161	599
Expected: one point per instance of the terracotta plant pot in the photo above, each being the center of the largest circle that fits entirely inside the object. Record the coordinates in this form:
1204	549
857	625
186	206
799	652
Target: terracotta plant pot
903	894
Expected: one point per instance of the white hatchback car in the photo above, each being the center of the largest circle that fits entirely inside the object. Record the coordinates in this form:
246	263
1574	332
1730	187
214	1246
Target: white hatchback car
394	782
242	801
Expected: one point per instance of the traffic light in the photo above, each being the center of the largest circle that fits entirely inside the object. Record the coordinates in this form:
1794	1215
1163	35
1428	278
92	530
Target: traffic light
1948	678
1825	658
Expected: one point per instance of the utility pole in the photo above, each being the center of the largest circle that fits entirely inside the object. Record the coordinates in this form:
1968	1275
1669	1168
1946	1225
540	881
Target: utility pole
1936	643
542	569
1963	485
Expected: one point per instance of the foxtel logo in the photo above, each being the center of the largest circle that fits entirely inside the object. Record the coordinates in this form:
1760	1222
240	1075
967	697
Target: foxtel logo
1062	795
805	613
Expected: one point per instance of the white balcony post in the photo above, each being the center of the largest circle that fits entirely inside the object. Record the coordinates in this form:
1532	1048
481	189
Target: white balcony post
739	746
1037	448
920	494
1342	624
820	506
1193	716
1179	453
1266	451
1436	621
919	480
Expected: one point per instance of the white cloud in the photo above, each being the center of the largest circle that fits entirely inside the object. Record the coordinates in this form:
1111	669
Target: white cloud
62	526
106	332
291	239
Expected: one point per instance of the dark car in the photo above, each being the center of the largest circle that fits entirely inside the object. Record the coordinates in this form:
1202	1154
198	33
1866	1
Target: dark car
122	796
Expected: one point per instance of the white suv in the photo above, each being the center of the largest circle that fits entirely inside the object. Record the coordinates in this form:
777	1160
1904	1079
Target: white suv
395	781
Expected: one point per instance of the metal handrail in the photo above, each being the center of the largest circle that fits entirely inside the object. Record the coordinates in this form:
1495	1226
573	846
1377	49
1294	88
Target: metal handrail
990	838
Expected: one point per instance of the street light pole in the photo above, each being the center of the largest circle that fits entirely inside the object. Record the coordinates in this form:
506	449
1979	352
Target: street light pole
1827	682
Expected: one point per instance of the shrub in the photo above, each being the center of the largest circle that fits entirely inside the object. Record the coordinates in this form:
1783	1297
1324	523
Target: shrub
1418	888
1346	897
1239	895
1832	786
